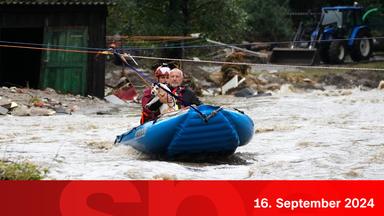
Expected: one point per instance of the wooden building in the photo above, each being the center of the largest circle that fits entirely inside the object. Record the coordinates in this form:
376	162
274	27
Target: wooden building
65	25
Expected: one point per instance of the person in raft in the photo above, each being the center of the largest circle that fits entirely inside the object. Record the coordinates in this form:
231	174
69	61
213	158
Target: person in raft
186	96
155	101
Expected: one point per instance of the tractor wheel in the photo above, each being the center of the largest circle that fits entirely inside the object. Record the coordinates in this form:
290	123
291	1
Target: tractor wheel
362	47
323	52
337	52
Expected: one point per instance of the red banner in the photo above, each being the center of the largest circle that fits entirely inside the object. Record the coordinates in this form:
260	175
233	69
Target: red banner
187	198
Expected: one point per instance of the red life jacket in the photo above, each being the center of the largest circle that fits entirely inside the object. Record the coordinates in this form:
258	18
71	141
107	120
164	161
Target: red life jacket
147	114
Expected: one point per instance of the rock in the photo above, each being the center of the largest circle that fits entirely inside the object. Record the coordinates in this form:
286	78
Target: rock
36	111
13	89
21	111
245	92
61	110
3	111
249	92
381	85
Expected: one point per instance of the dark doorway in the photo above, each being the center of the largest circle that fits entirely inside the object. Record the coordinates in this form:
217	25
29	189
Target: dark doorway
18	66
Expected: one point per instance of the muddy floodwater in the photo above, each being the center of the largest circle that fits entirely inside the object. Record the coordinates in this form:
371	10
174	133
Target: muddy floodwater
332	134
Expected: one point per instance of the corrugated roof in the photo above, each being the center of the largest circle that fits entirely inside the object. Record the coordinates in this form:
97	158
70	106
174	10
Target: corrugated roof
57	2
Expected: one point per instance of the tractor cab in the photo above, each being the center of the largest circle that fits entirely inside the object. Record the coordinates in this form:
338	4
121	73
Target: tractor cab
340	20
341	16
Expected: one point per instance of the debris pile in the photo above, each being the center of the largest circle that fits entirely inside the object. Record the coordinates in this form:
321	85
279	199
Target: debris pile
231	70
31	102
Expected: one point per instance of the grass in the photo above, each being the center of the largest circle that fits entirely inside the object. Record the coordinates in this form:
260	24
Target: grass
377	64
20	171
317	73
310	73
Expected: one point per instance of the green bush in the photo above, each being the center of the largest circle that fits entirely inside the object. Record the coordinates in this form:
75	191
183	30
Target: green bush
20	171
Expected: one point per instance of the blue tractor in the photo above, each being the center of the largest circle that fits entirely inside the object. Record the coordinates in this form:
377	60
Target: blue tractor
341	30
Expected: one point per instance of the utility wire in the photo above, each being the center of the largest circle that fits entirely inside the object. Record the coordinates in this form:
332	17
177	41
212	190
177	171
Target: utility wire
47	45
108	52
186	46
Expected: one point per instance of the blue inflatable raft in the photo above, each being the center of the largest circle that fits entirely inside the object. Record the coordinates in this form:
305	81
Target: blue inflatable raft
205	130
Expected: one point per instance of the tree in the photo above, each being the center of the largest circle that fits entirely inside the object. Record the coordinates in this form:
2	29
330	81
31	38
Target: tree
220	20
217	19
268	20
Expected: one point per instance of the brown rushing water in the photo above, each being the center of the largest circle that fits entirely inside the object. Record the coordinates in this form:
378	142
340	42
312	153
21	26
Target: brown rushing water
332	134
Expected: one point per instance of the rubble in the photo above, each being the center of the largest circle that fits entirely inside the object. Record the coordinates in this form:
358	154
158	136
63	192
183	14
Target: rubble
231	70
5	108
32	102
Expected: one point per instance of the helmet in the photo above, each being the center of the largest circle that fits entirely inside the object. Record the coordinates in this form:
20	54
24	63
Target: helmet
162	71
